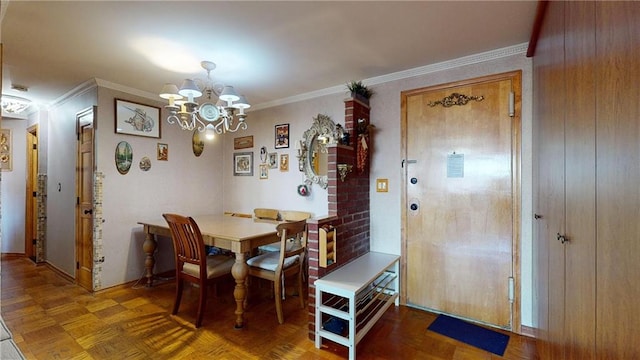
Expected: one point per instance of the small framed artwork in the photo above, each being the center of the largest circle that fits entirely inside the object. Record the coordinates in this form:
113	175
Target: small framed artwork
282	136
6	158
284	162
243	142
273	160
163	152
243	164
264	171
263	155
137	119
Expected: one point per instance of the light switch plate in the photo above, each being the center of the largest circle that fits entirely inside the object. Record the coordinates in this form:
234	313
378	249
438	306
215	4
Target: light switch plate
382	185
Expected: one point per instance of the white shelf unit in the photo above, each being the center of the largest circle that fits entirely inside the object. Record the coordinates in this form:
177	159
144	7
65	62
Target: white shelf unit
358	293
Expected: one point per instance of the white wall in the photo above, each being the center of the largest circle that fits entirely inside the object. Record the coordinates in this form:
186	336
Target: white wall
13	188
58	146
184	184
279	191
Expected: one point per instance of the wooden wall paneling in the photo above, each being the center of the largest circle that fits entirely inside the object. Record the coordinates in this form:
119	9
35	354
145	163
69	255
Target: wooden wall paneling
580	206
618	173
588	299
549	107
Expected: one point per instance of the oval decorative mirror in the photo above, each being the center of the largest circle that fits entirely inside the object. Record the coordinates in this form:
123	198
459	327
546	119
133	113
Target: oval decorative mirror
313	152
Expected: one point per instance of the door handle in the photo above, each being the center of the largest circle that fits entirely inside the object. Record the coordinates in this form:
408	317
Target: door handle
563	239
88	212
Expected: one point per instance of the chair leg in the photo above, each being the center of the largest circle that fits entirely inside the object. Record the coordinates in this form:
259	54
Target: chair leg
176	302
300	293
201	304
277	284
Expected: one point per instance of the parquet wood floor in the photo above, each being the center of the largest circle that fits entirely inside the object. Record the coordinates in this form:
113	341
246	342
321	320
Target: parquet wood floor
51	318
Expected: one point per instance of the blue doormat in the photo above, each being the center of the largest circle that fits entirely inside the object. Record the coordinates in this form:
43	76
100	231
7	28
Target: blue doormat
471	334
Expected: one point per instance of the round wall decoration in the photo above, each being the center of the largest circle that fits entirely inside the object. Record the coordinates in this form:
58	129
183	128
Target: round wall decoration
145	164
124	157
197	143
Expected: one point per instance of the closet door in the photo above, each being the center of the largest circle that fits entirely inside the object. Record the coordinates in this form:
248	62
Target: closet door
580	195
550	101
618	173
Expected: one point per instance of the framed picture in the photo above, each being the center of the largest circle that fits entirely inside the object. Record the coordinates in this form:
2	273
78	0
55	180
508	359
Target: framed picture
263	155
197	143
264	171
282	136
124	157
243	142
6	158
137	119
243	164
273	160
163	152
284	162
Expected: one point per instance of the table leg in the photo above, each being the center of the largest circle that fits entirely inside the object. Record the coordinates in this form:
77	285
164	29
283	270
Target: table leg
240	270
149	247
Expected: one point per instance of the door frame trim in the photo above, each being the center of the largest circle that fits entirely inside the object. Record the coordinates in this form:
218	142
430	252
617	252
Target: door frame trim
32	215
516	153
82	117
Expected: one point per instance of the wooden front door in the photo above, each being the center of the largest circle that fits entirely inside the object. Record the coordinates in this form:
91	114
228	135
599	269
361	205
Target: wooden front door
462	198
31	196
84	191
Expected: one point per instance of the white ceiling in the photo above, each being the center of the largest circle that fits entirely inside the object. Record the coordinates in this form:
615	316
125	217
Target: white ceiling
267	50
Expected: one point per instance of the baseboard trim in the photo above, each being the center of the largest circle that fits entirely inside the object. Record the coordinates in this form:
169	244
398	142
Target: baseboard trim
528	331
9	256
60	272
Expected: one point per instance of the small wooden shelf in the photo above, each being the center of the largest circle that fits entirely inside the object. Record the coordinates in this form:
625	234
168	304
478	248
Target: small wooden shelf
358	294
327	246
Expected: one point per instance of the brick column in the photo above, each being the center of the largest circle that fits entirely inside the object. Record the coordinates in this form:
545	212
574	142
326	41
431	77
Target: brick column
348	206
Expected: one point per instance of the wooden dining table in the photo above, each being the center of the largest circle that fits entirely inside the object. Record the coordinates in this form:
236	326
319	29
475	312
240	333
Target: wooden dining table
238	234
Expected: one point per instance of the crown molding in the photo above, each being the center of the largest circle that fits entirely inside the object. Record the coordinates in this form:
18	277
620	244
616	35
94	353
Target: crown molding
419	71
96	82
75	92
128	90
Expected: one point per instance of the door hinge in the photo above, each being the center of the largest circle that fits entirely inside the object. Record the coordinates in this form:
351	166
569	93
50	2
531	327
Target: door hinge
34	241
511	289
35	146
77	265
78	200
35	194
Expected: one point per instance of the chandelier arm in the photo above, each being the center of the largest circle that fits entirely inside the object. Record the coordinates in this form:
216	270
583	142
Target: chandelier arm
239	125
197	122
173	119
218	127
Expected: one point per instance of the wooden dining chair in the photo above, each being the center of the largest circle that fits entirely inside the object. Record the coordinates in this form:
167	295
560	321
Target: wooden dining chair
285	216
266	214
276	266
192	263
291	215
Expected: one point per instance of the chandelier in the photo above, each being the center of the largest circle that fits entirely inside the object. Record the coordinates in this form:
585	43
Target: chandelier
210	116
